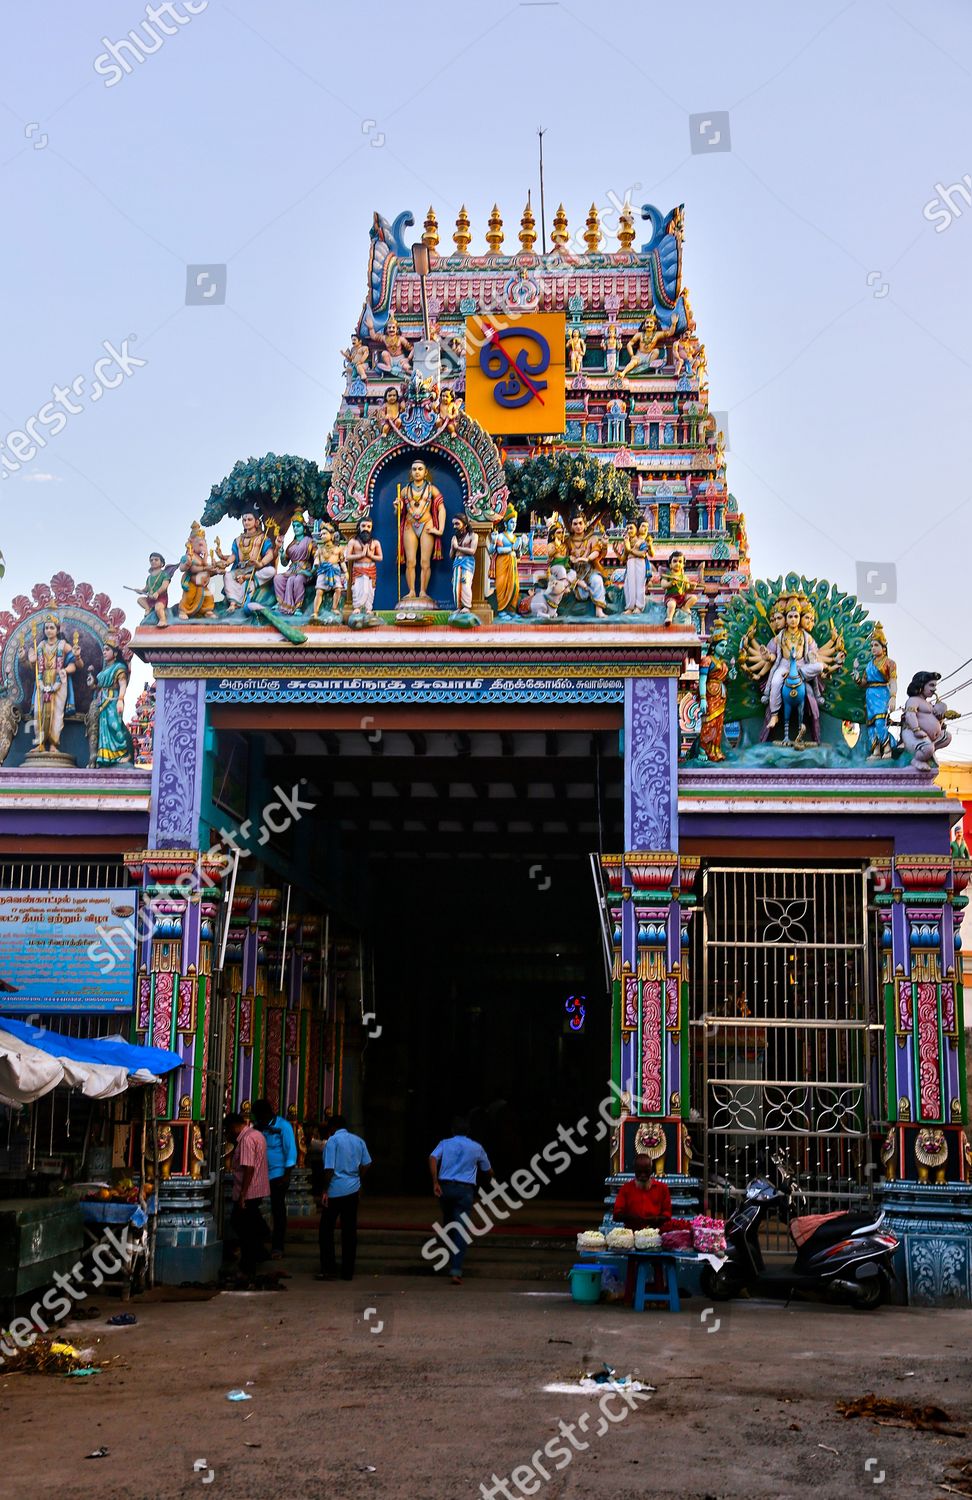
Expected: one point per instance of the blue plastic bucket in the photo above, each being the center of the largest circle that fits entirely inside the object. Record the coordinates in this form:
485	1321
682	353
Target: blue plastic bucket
585	1283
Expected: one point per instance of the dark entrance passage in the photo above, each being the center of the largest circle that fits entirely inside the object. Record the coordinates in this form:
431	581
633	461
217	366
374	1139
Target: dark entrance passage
466	854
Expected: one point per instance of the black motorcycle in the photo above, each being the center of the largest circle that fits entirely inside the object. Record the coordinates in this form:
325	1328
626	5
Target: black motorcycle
844	1256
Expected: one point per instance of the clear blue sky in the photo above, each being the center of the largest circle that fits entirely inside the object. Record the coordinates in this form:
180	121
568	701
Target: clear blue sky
249	138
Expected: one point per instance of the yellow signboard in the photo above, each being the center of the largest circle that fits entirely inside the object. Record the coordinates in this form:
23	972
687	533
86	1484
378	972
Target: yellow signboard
516	372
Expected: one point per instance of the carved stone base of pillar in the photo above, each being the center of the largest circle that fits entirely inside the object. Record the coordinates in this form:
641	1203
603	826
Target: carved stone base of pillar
934	1260
187	1243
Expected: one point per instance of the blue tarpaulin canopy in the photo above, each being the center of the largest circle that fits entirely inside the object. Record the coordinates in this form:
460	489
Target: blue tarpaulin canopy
34	1060
109	1050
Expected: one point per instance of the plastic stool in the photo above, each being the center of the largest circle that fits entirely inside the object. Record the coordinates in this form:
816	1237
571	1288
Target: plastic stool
667	1265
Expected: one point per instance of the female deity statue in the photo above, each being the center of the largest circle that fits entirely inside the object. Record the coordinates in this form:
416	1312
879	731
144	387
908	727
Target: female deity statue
291	586
879	680
115	746
506	574
713	671
421	522
54	664
463	553
636	549
923	722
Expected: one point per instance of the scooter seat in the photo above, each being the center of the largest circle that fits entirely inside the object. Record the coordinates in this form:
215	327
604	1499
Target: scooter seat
827	1228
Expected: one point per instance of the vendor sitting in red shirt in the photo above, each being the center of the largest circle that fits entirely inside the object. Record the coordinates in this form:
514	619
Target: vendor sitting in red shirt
645	1202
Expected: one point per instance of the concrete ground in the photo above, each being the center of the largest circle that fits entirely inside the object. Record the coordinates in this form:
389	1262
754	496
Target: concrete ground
407	1386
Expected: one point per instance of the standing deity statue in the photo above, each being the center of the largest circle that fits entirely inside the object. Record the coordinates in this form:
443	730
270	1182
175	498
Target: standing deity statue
114	743
197	568
576	349
332	571
612	343
290	587
713	671
793	665
251	563
584	551
396	357
506	573
678	588
421	524
463	554
923	722
636	549
54	664
879	680
363	555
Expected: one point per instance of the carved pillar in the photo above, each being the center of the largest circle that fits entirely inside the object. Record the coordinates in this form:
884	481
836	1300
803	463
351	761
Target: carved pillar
481	571
651	764
926	1157
919	909
173	1009
651	1046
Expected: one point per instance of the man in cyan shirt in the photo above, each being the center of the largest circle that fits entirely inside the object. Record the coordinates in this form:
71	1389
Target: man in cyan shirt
250	1186
281	1160
346	1159
454	1164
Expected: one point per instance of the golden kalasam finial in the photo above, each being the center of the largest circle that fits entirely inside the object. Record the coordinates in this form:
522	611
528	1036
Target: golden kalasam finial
430	230
528	227
560	234
494	231
626	229
462	236
592	233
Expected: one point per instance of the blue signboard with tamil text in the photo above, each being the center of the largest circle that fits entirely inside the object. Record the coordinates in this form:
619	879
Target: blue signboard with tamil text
67	951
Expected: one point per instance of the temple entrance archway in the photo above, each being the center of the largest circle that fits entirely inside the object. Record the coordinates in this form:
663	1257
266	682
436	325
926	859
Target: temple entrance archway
460	840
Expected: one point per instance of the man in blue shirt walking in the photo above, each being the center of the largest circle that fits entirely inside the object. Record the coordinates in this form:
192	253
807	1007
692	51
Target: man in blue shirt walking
346	1159
454	1164
281	1160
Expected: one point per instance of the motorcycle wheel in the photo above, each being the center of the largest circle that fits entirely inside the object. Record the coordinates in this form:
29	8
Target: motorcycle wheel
870	1294
720	1285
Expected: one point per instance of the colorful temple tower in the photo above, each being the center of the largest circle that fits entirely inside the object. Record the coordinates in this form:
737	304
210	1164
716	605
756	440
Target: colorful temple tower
499	636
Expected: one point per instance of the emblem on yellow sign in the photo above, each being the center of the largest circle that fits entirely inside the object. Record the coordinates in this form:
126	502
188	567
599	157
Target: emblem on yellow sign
516	372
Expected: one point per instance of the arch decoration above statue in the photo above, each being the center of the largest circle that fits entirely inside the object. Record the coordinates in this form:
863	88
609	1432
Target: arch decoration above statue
420	424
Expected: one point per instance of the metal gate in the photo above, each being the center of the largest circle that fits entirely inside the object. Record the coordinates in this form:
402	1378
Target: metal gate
785	1030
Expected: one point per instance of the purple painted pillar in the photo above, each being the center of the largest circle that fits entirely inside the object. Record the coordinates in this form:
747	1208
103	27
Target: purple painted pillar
651	764
651	866
180	727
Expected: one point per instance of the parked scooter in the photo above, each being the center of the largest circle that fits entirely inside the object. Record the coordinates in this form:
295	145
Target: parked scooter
845	1256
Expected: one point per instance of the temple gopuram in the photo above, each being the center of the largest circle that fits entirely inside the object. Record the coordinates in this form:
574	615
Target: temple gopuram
480	772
